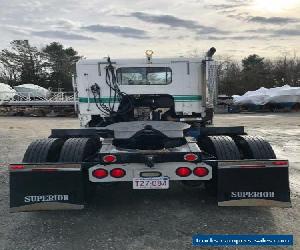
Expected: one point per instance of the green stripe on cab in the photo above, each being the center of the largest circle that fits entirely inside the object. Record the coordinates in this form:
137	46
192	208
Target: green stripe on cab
177	98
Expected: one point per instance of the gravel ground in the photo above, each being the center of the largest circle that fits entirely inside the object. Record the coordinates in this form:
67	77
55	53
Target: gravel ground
122	218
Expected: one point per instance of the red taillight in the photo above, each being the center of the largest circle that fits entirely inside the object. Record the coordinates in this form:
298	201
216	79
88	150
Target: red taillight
16	167
183	171
100	173
109	158
117	172
280	163
200	171
190	157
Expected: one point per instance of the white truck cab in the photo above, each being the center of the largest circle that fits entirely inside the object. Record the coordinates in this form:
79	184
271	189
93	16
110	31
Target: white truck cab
149	89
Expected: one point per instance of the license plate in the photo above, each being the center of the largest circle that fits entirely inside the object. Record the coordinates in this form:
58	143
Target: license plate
151	183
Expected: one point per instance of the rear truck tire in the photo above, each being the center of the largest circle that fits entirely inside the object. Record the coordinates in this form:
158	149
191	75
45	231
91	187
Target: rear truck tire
223	148
254	147
43	150
76	150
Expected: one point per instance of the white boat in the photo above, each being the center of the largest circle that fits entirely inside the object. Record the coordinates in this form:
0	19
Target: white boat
6	92
32	91
285	95
256	97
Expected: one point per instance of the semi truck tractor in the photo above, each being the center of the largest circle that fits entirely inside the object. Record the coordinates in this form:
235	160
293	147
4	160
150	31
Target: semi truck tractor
149	122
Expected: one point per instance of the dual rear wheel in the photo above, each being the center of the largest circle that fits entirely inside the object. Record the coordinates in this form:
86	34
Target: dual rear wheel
72	150
61	150
82	149
234	148
237	147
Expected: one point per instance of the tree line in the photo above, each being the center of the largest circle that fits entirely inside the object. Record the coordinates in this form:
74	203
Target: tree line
253	72
50	67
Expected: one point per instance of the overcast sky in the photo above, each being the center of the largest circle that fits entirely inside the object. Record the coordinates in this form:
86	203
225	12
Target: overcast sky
127	28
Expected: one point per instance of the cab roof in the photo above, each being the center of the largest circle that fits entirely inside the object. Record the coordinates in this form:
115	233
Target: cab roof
140	60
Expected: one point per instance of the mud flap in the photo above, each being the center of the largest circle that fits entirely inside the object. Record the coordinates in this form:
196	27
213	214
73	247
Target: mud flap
259	183
46	187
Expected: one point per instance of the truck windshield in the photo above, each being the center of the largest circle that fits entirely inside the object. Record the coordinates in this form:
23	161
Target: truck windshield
144	75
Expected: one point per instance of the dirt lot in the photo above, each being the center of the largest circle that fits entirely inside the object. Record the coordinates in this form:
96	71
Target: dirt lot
121	218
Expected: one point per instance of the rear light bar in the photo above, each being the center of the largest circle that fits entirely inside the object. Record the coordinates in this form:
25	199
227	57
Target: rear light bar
190	157
266	164
253	166
44	169
280	163
16	167
34	168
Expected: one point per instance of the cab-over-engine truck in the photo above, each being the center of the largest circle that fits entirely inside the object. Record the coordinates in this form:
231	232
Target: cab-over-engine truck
149	122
